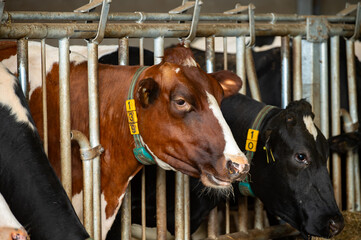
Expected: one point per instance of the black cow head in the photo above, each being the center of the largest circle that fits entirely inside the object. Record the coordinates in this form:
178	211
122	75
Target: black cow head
295	185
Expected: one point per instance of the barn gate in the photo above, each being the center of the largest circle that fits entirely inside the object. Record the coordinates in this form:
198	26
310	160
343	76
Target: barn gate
308	37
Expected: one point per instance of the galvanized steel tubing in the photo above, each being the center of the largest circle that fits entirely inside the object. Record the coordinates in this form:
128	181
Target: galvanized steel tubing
135	17
285	68
94	133
252	76
297	67
126	233
22	60
64	109
153	30
335	115
324	111
241	61
179	206
45	104
161	178
87	181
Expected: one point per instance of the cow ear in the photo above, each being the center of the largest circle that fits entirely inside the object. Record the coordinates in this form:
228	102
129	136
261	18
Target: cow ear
148	92
229	81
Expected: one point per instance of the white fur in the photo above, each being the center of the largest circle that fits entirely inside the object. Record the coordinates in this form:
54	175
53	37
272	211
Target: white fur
7	218
231	147
77	201
310	126
10	99
102	49
189	62
199	43
177	70
34	60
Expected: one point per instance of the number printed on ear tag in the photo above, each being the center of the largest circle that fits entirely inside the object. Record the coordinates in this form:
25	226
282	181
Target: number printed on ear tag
130	104
133	128
132	117
252	138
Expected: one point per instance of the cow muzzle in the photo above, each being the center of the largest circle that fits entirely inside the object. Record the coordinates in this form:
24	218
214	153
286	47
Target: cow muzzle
237	171
336	225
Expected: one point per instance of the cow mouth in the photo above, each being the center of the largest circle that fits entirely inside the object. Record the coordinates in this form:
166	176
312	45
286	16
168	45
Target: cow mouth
214	182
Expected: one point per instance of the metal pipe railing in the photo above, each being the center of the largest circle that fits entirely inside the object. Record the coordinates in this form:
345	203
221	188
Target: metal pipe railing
44	97
297	67
179	206
22	61
153	30
252	76
64	109
135	17
241	61
286	75
94	137
335	115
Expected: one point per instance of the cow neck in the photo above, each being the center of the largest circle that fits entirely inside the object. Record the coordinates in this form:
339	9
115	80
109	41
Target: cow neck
140	152
253	139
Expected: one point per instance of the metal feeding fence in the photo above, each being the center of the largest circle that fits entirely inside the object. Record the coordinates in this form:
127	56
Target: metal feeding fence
310	36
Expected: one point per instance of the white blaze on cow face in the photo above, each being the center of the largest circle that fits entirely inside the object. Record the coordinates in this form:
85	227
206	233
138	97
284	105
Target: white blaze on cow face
189	62
231	148
310	126
9	98
7	218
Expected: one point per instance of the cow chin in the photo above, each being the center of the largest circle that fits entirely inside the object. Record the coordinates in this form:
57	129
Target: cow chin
211	181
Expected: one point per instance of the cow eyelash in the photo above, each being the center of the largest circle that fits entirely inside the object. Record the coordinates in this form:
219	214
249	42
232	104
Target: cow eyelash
302	158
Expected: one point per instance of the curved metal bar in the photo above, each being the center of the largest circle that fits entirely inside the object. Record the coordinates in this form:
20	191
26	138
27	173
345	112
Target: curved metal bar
252	32
195	19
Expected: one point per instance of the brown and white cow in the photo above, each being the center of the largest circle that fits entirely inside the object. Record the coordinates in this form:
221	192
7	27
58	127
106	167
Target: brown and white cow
179	119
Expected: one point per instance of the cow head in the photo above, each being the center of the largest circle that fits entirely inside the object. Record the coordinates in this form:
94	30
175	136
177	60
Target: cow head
296	186
181	123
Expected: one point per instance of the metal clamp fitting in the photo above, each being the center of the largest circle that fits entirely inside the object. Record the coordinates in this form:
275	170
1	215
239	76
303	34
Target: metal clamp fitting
86	151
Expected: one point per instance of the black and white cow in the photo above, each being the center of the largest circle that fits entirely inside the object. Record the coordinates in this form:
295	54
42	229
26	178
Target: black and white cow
28	184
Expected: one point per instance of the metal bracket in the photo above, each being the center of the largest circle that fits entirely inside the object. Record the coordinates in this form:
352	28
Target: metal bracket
317	29
195	19
103	17
350	8
252	32
86	151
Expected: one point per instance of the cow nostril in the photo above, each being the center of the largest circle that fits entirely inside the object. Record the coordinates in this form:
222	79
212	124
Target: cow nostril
336	225
233	168
237	171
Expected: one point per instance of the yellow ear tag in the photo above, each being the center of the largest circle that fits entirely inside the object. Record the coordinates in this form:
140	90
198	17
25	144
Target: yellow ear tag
132	116
252	138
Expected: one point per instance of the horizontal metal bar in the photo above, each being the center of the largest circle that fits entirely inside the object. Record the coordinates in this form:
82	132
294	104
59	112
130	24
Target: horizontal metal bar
153	30
117	16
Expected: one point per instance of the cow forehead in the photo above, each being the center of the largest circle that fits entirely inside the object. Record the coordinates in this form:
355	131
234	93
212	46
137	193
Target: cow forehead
310	126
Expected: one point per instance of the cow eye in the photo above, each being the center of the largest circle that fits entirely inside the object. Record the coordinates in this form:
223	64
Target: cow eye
182	105
302	158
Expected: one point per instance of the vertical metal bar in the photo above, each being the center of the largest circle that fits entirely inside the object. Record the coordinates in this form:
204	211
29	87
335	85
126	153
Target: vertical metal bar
45	106
187	214
324	90
351	80
161	205
158	49
258	214
126	215
123	51
286	76
241	61
252	76
335	113
225	54
161	177
324	106
212	224
210	62
94	133
297	68
210	56
179	206
64	109
352	99
242	214
141	51
144	212
22	59
357	182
